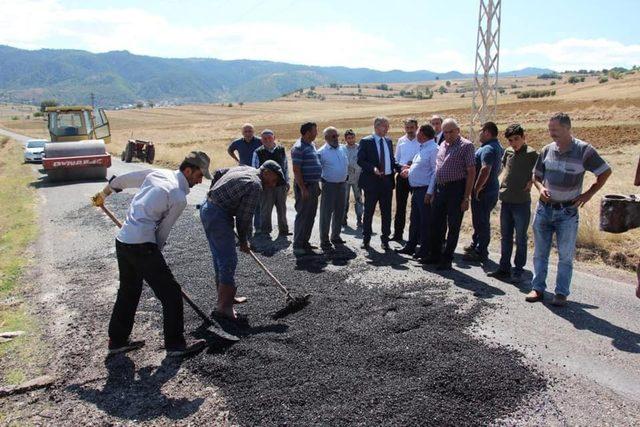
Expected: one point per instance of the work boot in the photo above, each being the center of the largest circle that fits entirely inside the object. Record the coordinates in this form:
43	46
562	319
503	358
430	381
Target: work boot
115	348
187	350
338	241
226	298
397	237
534	296
559	300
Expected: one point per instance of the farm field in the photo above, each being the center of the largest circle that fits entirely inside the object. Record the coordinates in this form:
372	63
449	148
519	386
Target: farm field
606	115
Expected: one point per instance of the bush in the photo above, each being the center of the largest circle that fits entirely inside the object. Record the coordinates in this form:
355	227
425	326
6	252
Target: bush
48	103
15	118
547	76
603	80
38	114
383	86
573	80
616	75
535	94
553	83
229	105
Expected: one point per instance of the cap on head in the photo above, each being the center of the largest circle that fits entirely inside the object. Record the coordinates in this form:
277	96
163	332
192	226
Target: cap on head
273	166
200	160
267	132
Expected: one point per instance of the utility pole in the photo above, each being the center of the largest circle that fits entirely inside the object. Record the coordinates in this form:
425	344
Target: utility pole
485	81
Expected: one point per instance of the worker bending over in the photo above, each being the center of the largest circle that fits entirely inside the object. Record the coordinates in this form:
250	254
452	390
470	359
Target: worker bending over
161	198
235	192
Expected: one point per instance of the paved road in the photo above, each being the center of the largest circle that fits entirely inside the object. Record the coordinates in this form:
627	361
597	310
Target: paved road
591	347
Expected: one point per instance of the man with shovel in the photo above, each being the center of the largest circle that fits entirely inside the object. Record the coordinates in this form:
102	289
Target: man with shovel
161	198
235	194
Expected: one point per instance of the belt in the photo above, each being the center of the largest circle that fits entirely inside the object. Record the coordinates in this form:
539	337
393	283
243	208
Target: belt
557	205
445	184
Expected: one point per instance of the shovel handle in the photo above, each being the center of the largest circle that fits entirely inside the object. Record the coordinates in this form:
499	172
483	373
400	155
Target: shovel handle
266	270
110	214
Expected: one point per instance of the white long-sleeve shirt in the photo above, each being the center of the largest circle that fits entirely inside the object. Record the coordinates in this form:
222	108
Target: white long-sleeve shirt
406	150
155	207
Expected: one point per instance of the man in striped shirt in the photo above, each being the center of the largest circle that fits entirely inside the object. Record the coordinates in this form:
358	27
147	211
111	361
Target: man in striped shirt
558	176
307	172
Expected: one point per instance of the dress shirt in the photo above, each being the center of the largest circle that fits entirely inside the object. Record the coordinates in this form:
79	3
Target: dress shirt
156	206
387	156
454	159
423	166
335	164
255	162
406	150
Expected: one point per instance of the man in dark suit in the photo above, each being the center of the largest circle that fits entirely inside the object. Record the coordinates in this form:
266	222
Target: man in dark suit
375	157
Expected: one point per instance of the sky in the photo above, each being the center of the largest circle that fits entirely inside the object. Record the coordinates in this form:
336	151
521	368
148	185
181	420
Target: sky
400	34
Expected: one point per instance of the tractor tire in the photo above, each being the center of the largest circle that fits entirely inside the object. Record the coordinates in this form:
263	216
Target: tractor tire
129	151
151	153
72	149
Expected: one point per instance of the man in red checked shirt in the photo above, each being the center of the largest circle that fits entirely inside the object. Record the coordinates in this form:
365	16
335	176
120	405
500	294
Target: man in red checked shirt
450	192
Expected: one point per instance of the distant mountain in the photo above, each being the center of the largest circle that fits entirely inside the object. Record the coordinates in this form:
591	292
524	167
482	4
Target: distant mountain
120	77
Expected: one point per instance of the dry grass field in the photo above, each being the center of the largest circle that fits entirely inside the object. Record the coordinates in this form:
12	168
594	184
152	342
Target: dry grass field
606	115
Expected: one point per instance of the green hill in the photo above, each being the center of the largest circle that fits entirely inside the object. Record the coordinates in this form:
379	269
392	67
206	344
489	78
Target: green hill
120	77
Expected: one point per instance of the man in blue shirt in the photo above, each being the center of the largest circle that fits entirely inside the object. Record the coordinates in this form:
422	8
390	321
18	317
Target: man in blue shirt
245	148
307	172
485	191
335	165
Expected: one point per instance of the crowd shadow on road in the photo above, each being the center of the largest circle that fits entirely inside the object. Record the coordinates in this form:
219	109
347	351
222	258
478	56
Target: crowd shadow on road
138	399
340	256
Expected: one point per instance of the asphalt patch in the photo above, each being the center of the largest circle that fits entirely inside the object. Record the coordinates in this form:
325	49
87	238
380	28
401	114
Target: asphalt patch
393	355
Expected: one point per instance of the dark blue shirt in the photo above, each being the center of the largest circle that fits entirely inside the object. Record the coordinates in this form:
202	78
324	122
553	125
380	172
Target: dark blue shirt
245	149
306	156
490	153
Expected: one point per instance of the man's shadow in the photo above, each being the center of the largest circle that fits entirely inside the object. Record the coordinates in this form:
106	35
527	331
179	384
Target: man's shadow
123	396
576	313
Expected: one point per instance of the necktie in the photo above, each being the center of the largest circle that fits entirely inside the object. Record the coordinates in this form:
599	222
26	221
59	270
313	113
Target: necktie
382	157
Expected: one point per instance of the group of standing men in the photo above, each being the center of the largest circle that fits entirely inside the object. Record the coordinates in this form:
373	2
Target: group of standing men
442	172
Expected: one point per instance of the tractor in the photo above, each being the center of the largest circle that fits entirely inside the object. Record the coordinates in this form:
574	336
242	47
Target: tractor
139	149
77	150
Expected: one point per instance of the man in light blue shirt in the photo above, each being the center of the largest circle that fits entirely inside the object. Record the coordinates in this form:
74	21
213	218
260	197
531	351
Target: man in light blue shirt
421	175
335	164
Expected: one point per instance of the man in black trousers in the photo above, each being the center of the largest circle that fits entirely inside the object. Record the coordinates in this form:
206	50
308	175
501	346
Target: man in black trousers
375	157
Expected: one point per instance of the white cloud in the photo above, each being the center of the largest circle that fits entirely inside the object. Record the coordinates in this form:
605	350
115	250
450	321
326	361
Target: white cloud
34	24
573	54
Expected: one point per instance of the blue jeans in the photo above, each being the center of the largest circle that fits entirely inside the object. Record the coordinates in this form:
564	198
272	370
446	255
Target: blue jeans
514	217
481	218
564	223
219	229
